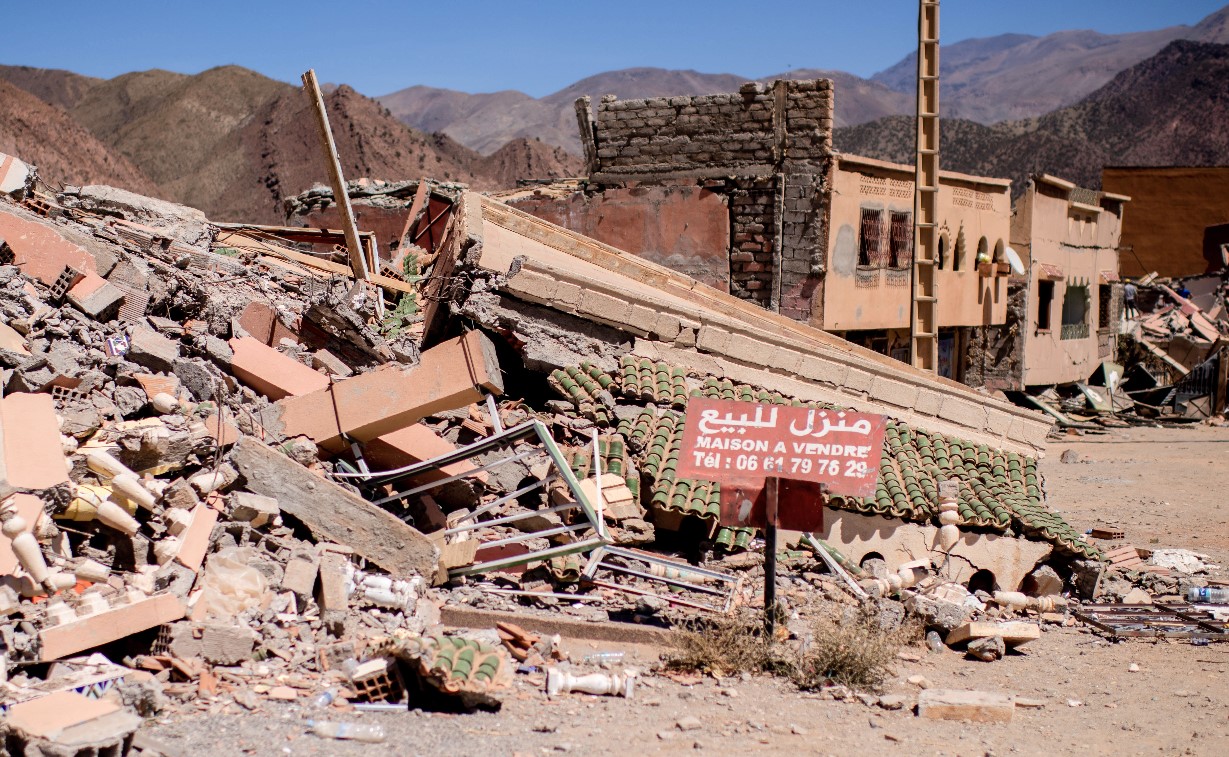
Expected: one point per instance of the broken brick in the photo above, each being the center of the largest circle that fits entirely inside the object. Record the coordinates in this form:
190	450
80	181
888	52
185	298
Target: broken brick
271	373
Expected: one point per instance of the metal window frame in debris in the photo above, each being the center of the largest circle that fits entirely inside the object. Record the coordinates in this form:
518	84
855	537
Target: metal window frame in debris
1153	621
532	429
597	562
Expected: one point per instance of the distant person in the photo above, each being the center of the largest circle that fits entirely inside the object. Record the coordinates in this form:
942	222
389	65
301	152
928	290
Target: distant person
1128	301
1183	292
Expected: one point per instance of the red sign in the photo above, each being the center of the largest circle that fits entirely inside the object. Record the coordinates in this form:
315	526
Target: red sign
743	442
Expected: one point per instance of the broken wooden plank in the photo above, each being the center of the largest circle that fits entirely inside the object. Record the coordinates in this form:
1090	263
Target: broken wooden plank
249	243
974	706
333	513
110	625
1014	633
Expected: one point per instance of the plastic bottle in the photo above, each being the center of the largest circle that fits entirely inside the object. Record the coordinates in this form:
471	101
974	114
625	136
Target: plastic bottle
1207	596
325	698
371	733
600	657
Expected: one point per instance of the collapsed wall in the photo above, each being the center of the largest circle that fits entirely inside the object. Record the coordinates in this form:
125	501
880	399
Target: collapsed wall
561	299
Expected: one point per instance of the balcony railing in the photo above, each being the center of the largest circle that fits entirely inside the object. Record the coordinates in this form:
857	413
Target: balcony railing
1074	331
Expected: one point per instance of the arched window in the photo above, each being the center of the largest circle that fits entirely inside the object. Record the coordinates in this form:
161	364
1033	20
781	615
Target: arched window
958	256
983	251
999	255
942	259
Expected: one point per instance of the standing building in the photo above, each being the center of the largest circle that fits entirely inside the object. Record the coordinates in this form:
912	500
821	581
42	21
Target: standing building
1065	307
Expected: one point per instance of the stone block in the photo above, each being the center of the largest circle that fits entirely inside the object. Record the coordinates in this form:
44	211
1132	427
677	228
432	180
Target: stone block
928	402
605	308
896	393
963	412
152	350
973	706
712	339
858	380
823	369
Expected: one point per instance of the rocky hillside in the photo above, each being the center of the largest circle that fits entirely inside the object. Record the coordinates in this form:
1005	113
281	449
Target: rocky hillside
231	141
64	150
988	80
1172	109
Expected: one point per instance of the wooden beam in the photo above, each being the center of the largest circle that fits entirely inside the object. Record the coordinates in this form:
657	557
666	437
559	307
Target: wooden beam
358	262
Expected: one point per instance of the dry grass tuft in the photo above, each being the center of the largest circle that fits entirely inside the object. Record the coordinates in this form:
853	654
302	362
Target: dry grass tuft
722	646
856	652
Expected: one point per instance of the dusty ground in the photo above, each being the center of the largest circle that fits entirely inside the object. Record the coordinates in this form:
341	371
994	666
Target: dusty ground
1164	487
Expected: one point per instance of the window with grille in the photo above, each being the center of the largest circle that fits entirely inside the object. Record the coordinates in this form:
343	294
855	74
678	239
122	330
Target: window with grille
900	241
1105	297
870	239
1075	312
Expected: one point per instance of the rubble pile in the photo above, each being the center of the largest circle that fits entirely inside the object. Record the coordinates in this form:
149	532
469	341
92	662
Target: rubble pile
225	480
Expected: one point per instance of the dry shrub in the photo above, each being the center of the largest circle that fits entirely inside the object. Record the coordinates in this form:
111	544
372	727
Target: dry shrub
721	645
854	651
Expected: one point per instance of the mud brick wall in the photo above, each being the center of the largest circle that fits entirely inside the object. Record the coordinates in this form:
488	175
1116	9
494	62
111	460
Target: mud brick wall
804	234
757	126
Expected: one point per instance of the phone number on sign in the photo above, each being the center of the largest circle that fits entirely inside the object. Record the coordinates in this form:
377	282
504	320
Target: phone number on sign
783	466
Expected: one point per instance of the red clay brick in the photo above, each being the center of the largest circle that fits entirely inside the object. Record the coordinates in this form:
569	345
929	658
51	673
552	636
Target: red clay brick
271	373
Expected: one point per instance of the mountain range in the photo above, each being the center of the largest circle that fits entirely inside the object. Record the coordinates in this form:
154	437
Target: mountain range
234	142
986	80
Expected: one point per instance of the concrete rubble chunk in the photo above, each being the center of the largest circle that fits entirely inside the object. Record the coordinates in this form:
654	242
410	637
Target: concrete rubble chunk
151	350
215	642
254	509
334	514
179	222
69	723
452	374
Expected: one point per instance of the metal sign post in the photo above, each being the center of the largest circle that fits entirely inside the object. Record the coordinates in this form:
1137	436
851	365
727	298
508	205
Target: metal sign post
771	489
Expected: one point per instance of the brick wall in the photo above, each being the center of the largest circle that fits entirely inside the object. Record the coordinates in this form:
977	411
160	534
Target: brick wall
757	126
768	148
753	231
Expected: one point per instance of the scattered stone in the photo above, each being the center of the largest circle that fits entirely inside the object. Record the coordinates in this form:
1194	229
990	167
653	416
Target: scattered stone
988	649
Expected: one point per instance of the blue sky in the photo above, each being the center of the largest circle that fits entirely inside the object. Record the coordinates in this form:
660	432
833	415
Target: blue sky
380	46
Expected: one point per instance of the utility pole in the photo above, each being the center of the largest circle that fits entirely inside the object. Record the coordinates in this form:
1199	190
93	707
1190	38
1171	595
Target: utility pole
924	322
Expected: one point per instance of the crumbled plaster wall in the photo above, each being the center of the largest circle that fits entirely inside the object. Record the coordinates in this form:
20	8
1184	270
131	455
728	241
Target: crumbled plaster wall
993	355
